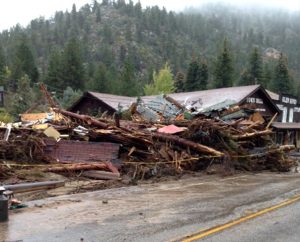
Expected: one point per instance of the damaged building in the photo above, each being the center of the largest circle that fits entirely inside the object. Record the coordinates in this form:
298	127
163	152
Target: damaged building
203	101
212	102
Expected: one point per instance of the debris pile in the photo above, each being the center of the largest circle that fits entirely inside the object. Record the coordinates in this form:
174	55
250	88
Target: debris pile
163	137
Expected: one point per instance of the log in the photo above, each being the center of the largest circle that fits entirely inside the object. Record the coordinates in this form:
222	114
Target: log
125	138
272	120
285	148
187	143
173	101
252	135
85	118
34	186
111	167
77	167
268	152
101	175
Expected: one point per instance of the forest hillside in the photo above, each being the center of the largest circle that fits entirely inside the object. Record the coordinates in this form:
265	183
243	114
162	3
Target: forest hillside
122	48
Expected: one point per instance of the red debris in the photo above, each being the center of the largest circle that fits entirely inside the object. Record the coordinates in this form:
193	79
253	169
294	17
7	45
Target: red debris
171	129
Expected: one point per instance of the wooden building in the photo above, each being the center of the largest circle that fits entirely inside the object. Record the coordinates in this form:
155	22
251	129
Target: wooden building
289	107
254	97
93	103
288	126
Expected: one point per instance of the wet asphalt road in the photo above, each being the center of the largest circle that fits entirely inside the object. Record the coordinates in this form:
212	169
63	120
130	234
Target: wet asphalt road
282	225
158	212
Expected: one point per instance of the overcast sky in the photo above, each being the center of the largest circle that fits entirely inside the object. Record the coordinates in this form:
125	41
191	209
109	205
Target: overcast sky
22	11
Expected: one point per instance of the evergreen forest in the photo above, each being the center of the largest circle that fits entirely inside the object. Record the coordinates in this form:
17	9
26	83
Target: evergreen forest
123	48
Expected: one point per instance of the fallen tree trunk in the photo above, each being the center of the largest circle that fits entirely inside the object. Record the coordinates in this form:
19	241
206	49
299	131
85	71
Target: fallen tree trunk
268	151
187	143
173	101
282	148
84	118
78	167
252	135
119	136
101	175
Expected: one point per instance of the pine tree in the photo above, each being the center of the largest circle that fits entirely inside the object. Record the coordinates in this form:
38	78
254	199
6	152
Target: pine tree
128	82
179	82
138	9
72	66
163	82
95	6
282	80
98	15
197	76
192	76
223	75
107	34
54	77
203	75
245	78
254	73
2	65
74	13
24	63
267	76
256	68
99	83
23	98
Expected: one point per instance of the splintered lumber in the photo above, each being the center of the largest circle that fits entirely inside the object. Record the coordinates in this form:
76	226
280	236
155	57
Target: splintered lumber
272	120
101	175
284	148
252	135
187	143
78	167
34	186
84	118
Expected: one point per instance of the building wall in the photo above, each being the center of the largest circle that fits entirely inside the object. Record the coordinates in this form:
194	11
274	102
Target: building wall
260	103
290	109
91	106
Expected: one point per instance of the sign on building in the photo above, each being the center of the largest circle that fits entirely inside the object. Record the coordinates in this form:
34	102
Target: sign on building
288	104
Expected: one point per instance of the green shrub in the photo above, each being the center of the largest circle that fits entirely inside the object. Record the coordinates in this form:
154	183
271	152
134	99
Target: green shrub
5	117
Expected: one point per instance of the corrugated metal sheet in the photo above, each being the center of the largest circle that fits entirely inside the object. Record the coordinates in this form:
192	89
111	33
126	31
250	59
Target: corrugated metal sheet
81	151
160	105
206	98
147	113
220	106
236	115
